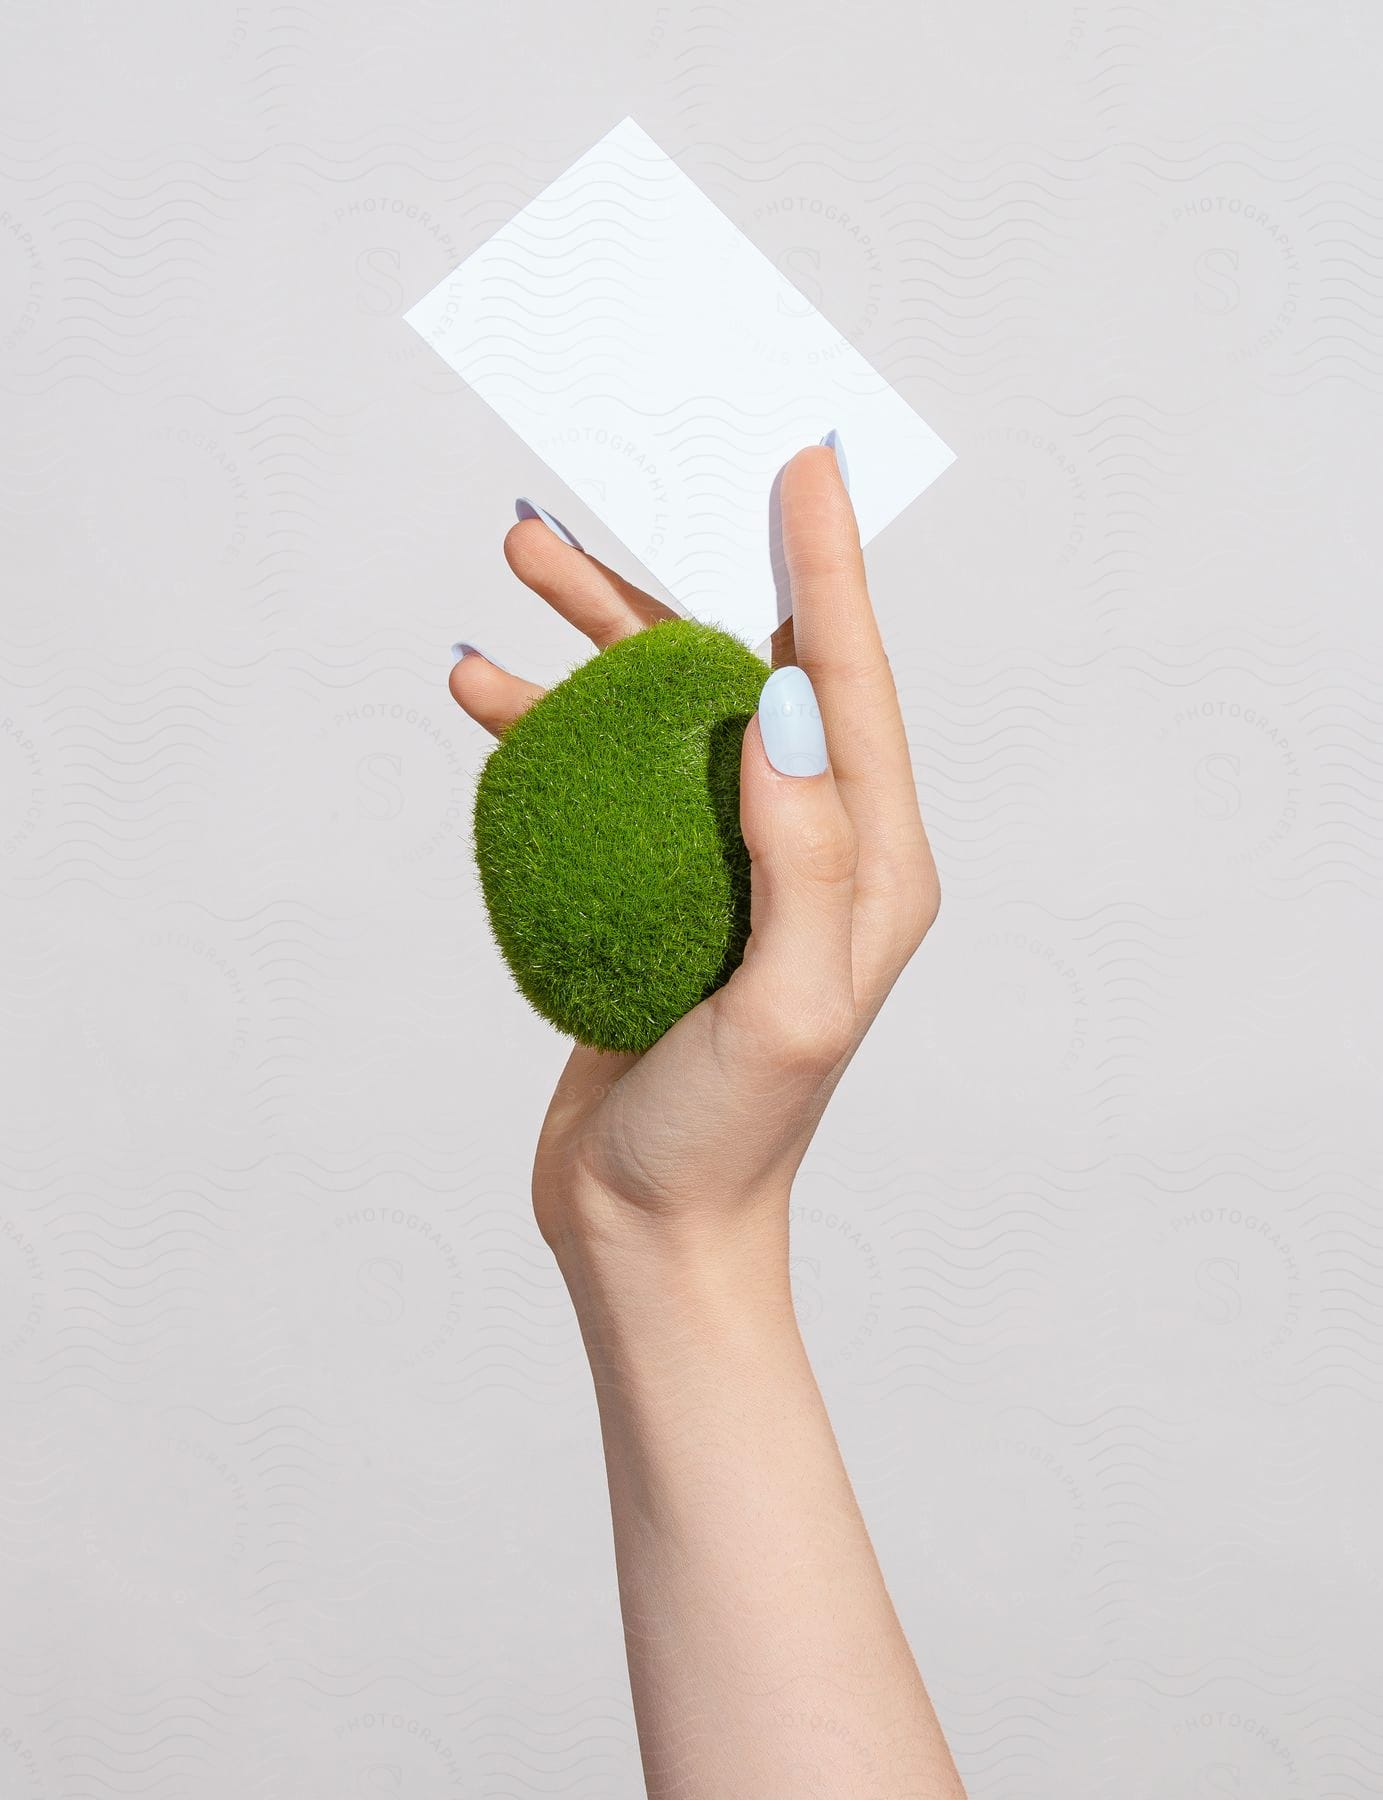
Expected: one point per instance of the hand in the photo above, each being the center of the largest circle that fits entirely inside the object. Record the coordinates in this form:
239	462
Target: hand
760	1636
713	1120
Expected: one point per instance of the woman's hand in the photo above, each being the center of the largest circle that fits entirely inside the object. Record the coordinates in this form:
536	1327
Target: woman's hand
713	1120
765	1657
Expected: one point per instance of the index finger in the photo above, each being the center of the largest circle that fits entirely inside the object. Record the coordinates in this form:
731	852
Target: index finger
835	637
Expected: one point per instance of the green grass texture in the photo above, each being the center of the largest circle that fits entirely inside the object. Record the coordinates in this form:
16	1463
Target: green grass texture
607	834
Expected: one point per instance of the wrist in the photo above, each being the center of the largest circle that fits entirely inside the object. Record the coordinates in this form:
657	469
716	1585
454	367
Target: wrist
696	1268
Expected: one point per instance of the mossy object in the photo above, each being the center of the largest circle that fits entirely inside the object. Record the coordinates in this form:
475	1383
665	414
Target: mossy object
607	834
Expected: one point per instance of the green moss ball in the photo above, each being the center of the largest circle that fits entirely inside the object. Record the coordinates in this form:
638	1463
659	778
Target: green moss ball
607	834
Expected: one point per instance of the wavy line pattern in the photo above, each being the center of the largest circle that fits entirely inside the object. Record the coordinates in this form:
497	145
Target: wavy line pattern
301	1494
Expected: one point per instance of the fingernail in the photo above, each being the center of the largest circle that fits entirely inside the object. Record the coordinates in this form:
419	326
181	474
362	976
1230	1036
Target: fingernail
525	509
832	438
790	723
459	651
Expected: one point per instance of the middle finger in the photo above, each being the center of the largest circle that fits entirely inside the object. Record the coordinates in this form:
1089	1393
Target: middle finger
583	590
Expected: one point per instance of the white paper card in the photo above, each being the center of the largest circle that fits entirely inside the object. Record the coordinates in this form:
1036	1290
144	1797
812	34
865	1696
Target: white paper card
658	362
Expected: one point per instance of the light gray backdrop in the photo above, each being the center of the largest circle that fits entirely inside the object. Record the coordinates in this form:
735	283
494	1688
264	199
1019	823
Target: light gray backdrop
301	1491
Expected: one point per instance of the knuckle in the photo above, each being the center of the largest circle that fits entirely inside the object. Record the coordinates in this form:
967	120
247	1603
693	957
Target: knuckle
827	852
863	668
921	905
809	1043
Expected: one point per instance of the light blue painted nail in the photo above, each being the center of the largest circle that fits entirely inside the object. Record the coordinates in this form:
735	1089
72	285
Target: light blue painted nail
790	723
525	509
458	651
832	438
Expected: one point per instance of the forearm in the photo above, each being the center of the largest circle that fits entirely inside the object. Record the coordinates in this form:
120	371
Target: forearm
765	1656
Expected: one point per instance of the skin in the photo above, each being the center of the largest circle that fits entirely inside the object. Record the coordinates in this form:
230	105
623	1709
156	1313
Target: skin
765	1657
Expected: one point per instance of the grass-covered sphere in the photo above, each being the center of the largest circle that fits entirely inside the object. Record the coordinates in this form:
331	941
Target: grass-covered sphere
607	834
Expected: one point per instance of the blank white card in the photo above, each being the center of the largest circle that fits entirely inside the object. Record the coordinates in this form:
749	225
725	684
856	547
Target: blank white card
662	366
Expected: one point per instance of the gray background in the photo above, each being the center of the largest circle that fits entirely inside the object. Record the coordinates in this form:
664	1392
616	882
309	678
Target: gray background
300	1489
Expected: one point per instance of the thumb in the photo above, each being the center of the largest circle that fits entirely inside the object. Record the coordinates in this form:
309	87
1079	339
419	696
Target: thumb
794	988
